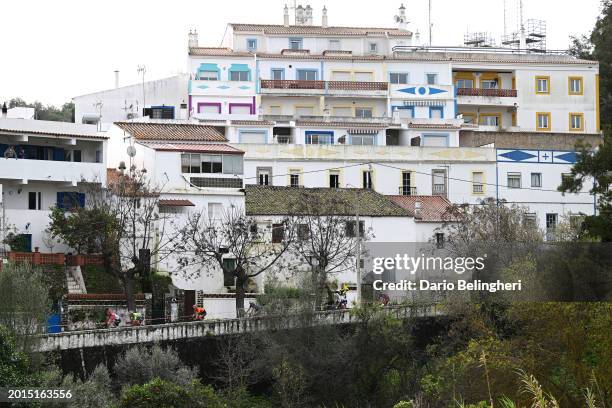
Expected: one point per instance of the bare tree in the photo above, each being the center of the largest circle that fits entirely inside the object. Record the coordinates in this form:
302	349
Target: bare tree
209	242
123	223
327	236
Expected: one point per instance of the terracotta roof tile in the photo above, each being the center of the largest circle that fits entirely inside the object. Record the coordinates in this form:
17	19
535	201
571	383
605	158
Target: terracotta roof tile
217	51
277	200
175	203
277	29
192	147
172	131
433	208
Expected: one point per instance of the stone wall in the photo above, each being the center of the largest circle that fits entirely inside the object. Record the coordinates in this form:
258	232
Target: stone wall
527	140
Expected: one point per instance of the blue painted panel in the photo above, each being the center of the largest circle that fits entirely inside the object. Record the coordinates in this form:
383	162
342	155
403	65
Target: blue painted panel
517	155
54	323
569	157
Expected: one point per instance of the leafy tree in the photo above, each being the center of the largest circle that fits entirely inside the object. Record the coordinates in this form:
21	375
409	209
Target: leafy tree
139	365
596	46
13	363
161	394
594	165
122	223
65	113
24	300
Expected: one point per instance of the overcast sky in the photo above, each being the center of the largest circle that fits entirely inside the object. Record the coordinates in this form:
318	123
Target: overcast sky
54	50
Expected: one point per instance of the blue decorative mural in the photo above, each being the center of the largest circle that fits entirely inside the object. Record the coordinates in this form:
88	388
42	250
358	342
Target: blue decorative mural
422	90
536	156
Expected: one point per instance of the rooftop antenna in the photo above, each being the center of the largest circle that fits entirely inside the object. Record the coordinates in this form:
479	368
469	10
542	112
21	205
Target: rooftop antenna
430	24
142	70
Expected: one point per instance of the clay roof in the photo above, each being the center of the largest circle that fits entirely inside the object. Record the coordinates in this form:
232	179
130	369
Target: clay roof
175	203
279	29
277	200
50	128
434	208
172	131
433	126
193	147
417	56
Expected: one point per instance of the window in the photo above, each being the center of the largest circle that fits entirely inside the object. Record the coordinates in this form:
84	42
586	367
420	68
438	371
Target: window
232	164
465	83
278	74
303	232
575	86
576	121
251	44
363	112
469	118
536	179
334	179
214	211
264	176
216	182
398	78
530	220
306	75
294	178
551	225
98	156
490	120
278	233
76	156
350	229
406	188
211	163
366	180
363	140
432	79
439	182
543	121
478	182
542	85
253	136
514	180
190	163
436	112
489	84
159	112
70	200
239	75
295	43
34	200
319	138
208	76
341	75
334	45
229	265
405	112
373	48
439	239
364	76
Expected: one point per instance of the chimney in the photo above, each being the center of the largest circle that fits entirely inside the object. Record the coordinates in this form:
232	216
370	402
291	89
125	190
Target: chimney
402	23
116	78
324	17
286	16
417	209
4	110
308	15
299	15
193	39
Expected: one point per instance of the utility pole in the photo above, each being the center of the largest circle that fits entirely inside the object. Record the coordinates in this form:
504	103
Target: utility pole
358	255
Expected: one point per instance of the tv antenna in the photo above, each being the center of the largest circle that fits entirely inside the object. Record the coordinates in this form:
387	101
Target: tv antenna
142	70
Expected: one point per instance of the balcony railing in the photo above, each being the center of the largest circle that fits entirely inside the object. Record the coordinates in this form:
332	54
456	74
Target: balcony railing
439	189
407	190
501	93
329	85
477	188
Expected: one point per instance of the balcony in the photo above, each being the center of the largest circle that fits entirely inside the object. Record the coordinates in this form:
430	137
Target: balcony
439	189
407	191
486	96
25	170
331	88
327	118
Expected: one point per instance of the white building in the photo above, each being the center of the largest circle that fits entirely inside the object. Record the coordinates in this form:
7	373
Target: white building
43	164
160	99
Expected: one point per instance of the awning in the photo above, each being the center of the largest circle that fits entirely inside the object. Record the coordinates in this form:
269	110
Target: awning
424	103
364	131
175	203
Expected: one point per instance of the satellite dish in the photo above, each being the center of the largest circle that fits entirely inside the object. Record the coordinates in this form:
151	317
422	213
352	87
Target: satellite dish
131	151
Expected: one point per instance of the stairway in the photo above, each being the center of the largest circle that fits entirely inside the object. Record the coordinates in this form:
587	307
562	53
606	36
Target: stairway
72	283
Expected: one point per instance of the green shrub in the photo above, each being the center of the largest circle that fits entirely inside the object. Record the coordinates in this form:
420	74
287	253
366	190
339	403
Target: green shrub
159	394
